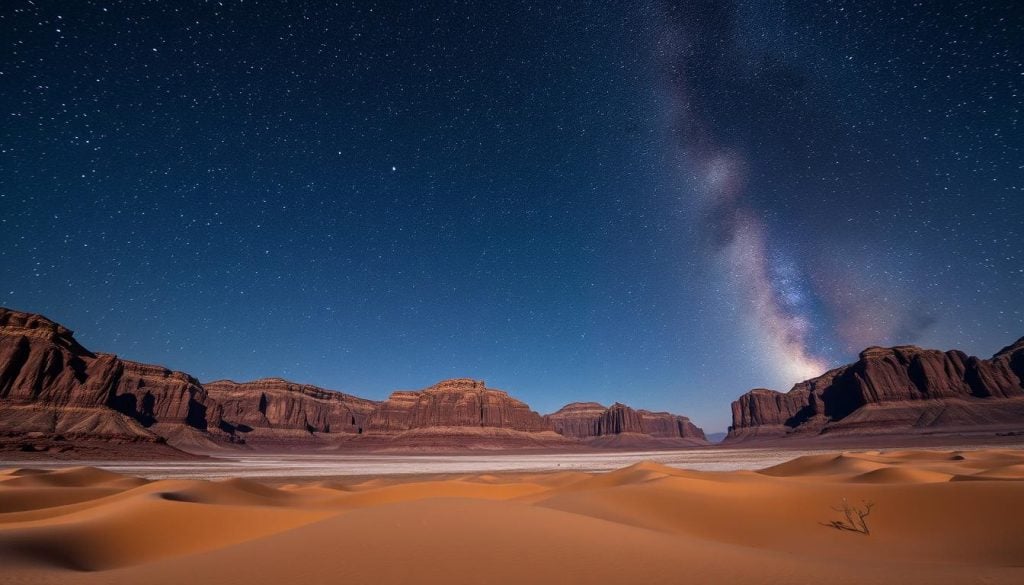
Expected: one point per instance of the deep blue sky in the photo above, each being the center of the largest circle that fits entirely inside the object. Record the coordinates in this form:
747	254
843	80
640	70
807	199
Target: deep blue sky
660	203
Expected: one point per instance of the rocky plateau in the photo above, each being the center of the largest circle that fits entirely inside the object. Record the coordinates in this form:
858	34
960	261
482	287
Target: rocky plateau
895	390
59	398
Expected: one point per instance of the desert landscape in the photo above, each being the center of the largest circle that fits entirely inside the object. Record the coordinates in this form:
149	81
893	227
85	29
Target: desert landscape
60	400
520	292
120	472
934	517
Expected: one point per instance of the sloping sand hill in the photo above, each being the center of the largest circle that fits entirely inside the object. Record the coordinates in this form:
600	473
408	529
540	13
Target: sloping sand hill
936	517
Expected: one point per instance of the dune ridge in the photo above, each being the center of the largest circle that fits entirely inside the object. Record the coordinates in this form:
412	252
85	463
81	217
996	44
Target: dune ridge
938	517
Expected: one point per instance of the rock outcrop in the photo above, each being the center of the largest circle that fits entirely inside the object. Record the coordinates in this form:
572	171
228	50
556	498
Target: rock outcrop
152	394
54	393
588	420
40	361
461	402
577	419
59	394
887	390
52	387
273	404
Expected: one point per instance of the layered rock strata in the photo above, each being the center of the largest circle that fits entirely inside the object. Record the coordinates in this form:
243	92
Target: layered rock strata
896	389
461	402
54	392
273	403
586	420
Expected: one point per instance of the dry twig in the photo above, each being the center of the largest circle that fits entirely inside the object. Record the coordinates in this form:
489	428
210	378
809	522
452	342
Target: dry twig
856	518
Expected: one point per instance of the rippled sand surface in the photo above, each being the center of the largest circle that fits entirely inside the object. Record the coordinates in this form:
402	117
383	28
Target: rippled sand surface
930	517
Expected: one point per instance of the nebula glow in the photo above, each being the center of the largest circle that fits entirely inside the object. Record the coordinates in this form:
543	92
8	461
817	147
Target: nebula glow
769	286
773	304
767	282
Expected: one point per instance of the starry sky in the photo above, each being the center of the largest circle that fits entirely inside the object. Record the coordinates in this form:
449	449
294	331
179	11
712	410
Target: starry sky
660	203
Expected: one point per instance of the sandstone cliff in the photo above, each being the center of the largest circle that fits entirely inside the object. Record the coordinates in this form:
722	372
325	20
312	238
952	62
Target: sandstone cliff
454	403
887	390
58	393
577	419
588	420
54	393
273	404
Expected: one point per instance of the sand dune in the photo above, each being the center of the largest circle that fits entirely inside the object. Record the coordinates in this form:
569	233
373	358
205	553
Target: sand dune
938	517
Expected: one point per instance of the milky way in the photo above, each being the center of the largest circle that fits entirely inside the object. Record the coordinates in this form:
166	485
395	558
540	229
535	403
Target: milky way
771	289
812	278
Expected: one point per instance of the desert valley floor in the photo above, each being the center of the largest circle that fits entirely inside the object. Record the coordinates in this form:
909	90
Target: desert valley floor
275	468
949	515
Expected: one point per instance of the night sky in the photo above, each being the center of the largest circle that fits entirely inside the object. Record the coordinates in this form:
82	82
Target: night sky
661	203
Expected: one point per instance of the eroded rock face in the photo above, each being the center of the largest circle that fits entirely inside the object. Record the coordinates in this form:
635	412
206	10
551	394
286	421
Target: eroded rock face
461	402
273	403
1002	376
50	386
585	420
668	425
40	361
577	419
881	376
153	394
761	407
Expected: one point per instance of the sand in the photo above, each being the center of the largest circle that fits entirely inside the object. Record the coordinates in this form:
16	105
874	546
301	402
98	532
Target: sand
937	517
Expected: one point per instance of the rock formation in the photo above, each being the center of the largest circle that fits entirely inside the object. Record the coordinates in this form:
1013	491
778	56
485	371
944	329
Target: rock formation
51	386
454	403
40	361
57	395
54	393
276	404
587	420
577	419
151	394
57	392
897	389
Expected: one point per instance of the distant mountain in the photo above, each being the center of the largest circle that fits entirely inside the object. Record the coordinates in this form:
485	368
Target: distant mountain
896	390
58	397
716	437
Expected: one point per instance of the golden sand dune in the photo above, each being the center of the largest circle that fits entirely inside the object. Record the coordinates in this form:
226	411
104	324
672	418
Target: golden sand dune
77	477
646	523
902	475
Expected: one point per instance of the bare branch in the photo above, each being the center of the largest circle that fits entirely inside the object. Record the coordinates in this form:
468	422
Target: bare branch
851	524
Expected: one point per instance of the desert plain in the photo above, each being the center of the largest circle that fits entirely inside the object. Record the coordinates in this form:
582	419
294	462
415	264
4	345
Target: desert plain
936	516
